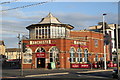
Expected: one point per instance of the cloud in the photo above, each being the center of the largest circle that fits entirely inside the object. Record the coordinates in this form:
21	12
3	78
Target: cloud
11	42
19	20
83	21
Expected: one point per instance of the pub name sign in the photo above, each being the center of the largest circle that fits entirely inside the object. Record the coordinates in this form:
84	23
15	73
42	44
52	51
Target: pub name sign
81	43
41	42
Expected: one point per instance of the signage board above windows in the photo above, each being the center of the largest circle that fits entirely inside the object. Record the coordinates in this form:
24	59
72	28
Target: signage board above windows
40	42
80	43
40	55
80	65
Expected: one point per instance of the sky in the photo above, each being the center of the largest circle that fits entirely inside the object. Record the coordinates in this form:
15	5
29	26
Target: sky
79	14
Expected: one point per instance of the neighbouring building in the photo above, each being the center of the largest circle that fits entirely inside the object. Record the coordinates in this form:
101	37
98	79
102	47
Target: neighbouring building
2	48
110	30
13	53
52	42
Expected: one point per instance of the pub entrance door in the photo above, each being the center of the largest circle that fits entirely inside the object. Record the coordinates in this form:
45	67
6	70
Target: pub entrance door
40	62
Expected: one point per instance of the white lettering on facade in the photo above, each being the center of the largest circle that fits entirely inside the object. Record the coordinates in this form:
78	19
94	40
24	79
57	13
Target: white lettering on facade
75	65
41	42
84	65
81	43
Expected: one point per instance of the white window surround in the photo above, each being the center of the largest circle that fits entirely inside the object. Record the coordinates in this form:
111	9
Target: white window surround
72	55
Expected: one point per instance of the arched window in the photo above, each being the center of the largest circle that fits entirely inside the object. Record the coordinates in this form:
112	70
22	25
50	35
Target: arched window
72	55
79	52
40	50
27	56
54	55
85	55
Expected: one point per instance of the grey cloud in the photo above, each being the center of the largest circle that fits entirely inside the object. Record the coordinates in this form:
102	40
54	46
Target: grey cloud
83	21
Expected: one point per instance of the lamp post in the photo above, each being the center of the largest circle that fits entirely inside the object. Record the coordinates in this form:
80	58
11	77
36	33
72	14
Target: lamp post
117	51
22	56
104	43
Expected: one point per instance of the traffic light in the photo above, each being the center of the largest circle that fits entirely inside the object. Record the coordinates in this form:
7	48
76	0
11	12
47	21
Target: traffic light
24	47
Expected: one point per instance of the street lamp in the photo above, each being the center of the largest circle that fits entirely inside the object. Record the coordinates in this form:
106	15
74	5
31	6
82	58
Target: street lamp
117	51
104	43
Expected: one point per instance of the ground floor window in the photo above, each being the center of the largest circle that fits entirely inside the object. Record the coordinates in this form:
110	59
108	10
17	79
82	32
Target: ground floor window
54	54
85	55
79	52
72	55
96	57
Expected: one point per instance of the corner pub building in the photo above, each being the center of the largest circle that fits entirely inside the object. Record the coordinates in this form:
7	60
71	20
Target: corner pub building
54	43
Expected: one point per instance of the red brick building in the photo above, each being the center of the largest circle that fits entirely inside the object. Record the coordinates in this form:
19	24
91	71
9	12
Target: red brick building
53	42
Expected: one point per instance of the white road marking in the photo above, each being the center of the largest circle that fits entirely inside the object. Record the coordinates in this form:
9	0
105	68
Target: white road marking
46	74
94	71
7	77
97	77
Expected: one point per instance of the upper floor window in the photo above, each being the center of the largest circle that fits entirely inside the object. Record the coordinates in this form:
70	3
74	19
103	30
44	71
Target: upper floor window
96	43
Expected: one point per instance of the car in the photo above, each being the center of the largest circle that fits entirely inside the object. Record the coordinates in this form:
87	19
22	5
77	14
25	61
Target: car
115	73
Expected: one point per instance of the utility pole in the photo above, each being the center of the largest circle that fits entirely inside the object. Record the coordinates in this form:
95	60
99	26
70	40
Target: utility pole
104	43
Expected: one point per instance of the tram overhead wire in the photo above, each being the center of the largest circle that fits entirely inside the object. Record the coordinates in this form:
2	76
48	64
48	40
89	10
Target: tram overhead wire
8	2
40	3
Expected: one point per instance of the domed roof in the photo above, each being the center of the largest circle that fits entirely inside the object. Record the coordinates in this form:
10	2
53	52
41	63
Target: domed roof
49	19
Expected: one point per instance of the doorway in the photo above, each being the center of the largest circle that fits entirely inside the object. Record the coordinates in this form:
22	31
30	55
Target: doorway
40	62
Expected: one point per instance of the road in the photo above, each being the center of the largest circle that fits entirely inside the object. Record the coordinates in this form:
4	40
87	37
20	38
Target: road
68	74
